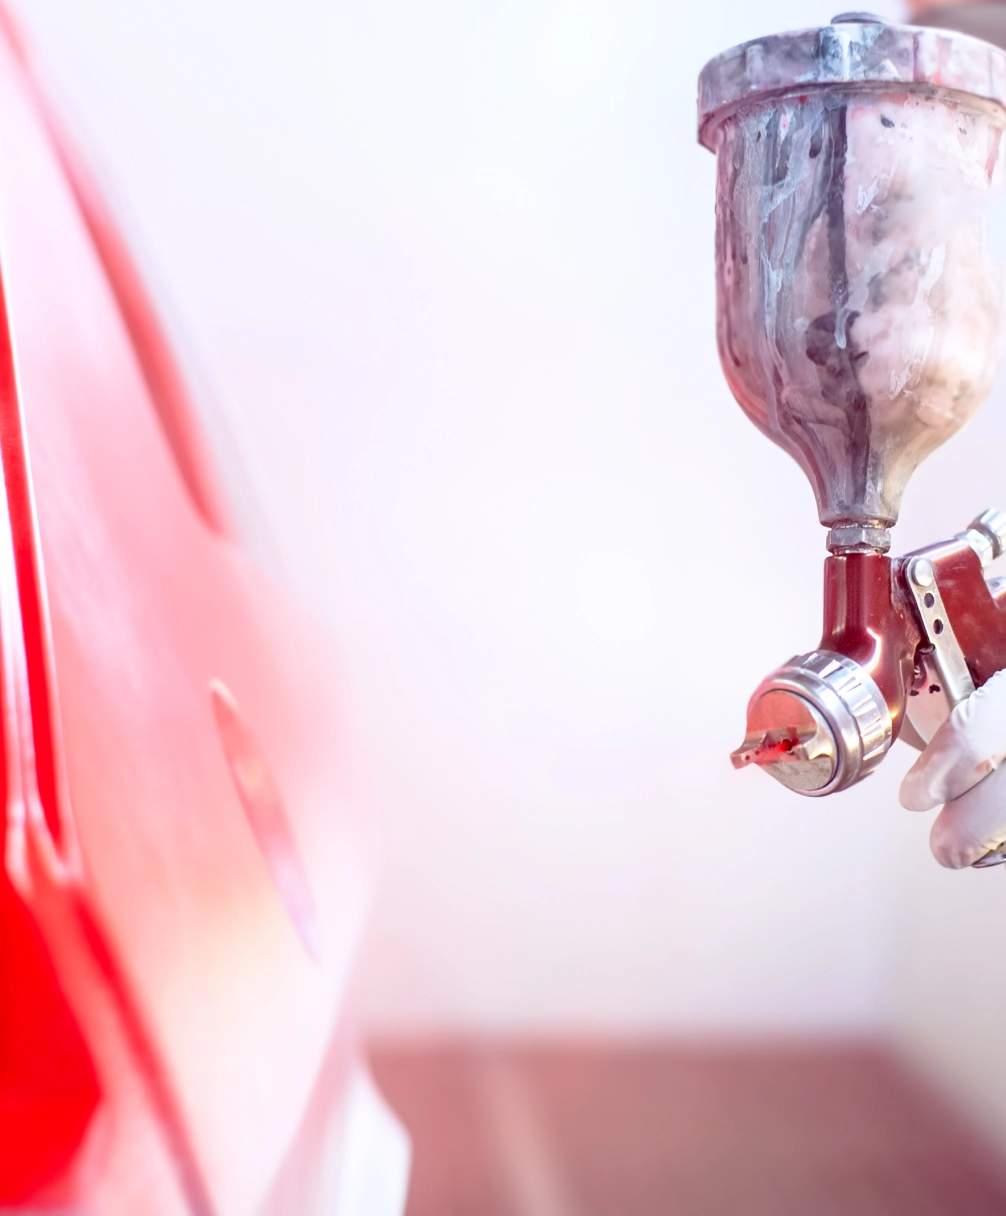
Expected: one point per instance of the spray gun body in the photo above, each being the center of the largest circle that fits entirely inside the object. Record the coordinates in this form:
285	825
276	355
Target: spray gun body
859	322
905	639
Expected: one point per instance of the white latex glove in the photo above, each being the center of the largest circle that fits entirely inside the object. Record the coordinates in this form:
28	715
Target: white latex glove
960	768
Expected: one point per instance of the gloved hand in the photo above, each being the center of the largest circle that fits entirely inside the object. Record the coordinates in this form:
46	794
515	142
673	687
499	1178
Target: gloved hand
960	768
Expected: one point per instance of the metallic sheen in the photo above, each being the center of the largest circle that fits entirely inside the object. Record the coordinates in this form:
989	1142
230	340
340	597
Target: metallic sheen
859	306
992	525
854	733
847	53
947	657
844	538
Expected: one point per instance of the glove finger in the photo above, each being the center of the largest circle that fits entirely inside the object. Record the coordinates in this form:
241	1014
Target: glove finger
966	748
969	826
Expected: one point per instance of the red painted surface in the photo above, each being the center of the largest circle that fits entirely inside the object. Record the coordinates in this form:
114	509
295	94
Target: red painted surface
186	861
868	618
977	612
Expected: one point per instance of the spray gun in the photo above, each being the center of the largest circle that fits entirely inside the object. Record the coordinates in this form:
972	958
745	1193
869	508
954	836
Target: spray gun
859	323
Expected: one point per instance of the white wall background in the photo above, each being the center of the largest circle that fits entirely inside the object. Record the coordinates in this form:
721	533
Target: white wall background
451	266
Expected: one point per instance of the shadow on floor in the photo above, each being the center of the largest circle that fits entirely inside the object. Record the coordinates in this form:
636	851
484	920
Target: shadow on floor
836	1131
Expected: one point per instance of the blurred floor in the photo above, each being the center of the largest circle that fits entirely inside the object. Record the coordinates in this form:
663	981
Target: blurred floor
843	1131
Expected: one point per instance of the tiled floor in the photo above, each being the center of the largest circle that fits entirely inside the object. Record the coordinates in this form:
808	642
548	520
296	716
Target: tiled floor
661	1132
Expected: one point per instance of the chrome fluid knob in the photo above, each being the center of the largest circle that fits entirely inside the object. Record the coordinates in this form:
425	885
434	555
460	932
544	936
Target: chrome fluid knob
987	535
